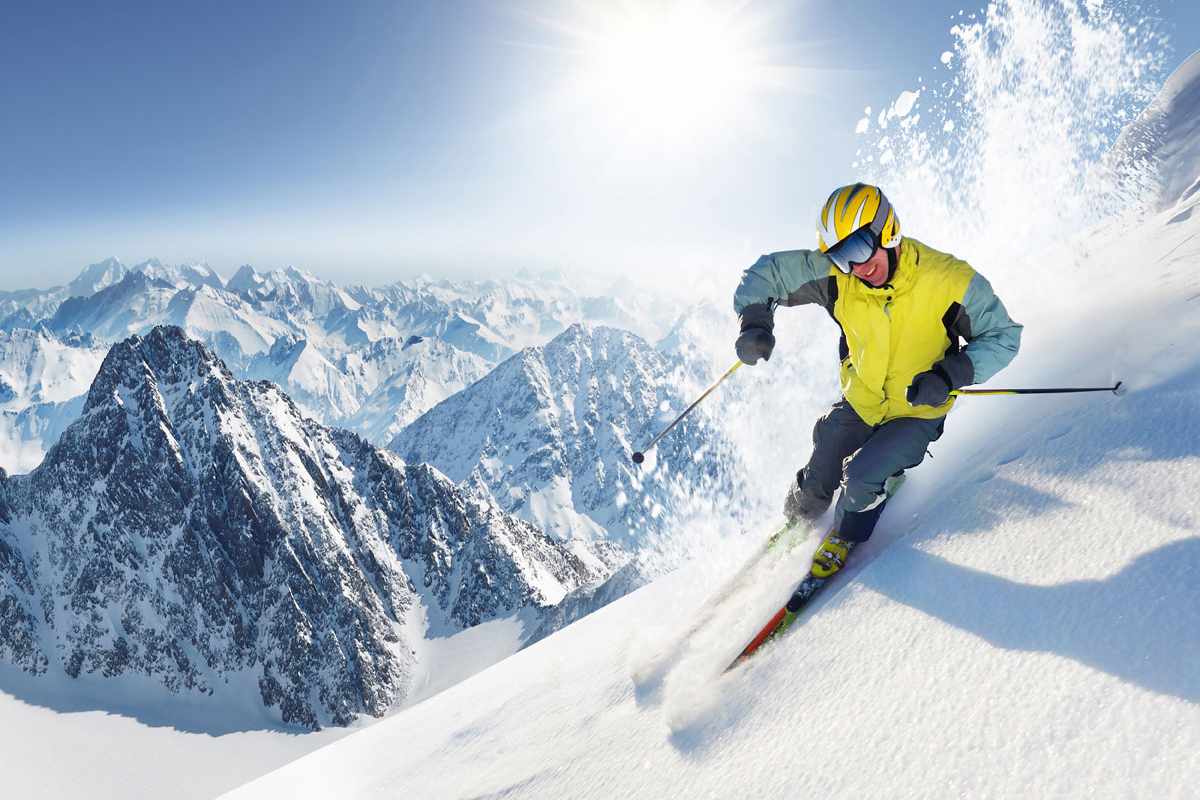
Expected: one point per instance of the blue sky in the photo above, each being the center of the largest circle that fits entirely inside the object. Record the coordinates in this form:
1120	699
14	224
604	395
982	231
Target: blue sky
370	141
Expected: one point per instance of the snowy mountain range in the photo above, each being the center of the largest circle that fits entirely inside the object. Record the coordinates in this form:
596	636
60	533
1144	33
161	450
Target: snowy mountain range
349	355
199	531
37	304
344	354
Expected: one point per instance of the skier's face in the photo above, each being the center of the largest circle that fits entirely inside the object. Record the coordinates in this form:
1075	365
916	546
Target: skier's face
875	269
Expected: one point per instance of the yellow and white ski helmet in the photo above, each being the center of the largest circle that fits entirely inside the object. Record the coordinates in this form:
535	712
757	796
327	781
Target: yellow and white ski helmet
850	209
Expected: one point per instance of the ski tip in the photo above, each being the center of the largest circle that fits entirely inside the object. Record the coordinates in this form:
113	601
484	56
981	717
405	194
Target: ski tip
639	457
1119	389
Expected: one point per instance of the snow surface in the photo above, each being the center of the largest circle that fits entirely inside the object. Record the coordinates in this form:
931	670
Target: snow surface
59	741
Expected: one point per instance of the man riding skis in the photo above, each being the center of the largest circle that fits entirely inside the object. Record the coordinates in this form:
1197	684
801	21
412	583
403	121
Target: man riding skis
902	308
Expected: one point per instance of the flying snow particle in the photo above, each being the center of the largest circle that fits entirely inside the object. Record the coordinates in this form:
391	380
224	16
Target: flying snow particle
946	56
904	103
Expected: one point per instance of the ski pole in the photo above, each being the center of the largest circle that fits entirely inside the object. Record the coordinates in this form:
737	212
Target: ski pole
1115	389
640	455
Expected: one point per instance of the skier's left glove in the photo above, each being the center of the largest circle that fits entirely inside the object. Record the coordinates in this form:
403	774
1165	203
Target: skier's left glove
933	387
930	388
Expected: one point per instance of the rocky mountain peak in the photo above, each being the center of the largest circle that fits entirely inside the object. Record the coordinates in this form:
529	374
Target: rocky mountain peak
190	527
164	357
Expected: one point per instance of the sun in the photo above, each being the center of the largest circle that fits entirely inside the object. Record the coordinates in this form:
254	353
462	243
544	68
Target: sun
665	72
666	66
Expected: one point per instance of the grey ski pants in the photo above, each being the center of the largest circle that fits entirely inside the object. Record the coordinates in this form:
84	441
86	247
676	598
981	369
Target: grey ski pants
857	457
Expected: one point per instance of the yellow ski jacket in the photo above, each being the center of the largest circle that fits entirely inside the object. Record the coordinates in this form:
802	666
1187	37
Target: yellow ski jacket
892	332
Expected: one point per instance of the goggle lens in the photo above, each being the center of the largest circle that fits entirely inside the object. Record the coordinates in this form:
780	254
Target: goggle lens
854	249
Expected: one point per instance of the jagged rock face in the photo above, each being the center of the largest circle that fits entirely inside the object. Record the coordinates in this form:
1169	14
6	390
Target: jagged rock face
191	527
550	432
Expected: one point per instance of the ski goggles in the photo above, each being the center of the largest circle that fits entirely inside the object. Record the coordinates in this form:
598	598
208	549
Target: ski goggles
854	249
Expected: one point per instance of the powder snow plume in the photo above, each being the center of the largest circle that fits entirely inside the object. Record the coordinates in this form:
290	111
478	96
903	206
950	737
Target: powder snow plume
1009	151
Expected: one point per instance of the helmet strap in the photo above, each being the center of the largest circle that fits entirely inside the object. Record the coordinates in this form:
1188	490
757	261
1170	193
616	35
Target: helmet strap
893	262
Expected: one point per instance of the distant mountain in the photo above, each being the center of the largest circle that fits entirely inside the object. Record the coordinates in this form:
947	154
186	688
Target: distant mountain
199	531
43	378
115	311
95	277
26	434
181	276
144	299
551	432
586	599
404	381
28	304
37	366
42	304
315	384
290	290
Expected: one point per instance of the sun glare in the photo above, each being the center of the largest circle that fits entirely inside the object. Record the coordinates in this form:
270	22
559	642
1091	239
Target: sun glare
663	71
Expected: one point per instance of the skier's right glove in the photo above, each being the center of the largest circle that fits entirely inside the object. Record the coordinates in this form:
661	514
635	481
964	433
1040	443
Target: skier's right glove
756	340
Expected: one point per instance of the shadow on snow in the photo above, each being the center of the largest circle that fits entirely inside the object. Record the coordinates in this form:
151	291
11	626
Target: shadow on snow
1141	625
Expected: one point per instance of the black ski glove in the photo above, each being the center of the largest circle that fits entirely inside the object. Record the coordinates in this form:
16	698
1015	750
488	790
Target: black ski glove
756	340
930	388
933	387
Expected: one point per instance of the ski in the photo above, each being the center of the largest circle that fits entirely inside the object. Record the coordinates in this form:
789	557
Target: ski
782	619
781	541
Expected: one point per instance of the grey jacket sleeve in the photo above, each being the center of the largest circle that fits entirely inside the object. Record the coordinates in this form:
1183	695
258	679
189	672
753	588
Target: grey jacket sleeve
789	278
993	338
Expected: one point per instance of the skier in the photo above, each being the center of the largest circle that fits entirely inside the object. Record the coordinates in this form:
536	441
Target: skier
902	307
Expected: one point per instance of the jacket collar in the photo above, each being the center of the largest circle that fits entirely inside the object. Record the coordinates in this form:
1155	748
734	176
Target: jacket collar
904	277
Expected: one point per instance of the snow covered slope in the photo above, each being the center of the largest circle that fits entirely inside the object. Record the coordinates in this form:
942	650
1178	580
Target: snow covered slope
1025	622
38	367
404	380
42	381
1168	134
